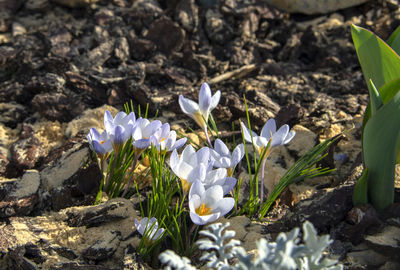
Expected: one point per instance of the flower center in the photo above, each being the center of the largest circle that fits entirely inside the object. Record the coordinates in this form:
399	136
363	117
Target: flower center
102	142
203	210
163	139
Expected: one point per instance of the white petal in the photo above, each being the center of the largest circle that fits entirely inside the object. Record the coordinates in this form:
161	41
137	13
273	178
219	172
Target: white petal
289	137
238	154
224	206
205	99
203	155
221	148
197	188
269	129
215	99
202	220
279	137
212	195
188	106
187	153
246	133
197	174
174	159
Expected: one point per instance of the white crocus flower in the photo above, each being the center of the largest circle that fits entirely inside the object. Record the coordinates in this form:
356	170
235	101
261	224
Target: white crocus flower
223	157
211	178
203	108
119	129
148	228
269	133
270	136
187	166
143	131
164	139
207	205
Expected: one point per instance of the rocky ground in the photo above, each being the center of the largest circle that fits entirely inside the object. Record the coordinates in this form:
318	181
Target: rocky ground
64	62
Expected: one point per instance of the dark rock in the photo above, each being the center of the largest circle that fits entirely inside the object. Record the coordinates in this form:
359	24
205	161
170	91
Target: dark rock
386	242
121	50
186	13
78	266
97	215
132	260
12	113
142	49
217	29
102	248
93	93
21	196
365	220
324	210
166	43
391	215
27	151
65	252
144	13
57	106
289	114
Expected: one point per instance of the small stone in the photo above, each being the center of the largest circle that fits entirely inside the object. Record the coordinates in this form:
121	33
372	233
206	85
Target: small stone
386	242
18	29
303	141
102	248
75	3
166	43
22	195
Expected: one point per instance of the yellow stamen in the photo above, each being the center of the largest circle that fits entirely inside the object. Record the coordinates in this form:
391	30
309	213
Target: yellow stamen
101	142
203	210
163	139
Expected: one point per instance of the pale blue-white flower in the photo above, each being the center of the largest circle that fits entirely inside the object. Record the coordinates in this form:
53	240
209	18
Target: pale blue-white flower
164	139
189	166
100	143
119	129
223	157
202	109
207	205
209	177
143	132
149	229
269	133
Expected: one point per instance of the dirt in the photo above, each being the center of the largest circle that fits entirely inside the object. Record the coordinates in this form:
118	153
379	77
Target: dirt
61	61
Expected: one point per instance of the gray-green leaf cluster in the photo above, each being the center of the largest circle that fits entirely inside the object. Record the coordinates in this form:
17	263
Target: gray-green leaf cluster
287	253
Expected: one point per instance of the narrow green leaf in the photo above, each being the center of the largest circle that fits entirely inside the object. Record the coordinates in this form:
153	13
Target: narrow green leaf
375	99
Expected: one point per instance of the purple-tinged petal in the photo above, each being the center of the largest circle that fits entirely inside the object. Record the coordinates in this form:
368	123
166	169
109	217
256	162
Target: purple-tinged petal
221	148
197	188
203	155
179	143
188	106
279	137
238	154
205	99
215	100
246	133
174	159
197	174
289	137
269	129
142	143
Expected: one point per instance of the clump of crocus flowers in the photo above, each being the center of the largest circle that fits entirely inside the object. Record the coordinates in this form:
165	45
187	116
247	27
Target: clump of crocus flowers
205	176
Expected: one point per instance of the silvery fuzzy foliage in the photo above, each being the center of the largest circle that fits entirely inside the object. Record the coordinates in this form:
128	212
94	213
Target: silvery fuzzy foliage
285	254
